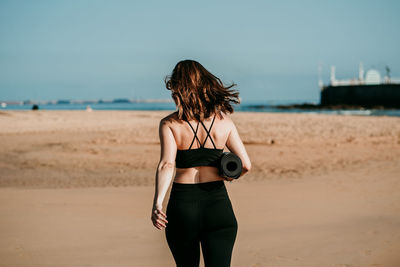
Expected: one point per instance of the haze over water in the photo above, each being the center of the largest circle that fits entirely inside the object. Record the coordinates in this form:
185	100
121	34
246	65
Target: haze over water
123	49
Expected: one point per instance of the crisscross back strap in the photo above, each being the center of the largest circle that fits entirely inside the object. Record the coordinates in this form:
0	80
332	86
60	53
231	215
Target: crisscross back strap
195	134
208	133
205	128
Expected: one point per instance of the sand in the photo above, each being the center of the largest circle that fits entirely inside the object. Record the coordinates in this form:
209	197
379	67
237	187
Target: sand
76	190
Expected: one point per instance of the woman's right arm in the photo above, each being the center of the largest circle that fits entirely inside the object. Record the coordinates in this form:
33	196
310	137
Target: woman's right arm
164	174
235	145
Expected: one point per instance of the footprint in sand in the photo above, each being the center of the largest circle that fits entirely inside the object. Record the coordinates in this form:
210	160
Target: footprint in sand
367	252
20	250
286	258
373	232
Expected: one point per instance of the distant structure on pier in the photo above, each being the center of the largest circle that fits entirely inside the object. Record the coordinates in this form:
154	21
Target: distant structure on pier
367	90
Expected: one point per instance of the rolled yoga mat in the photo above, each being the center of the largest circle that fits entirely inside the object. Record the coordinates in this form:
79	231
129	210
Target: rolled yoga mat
230	165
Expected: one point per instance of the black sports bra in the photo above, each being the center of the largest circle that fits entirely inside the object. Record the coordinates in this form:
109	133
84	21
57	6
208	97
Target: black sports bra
201	156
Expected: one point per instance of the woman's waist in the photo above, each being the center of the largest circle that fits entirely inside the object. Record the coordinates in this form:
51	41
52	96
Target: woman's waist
192	179
200	174
197	191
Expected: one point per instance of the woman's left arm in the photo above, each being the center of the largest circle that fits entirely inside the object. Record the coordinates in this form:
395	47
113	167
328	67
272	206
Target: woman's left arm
164	174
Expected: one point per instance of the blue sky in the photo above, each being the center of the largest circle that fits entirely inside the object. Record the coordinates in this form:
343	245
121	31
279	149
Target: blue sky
112	49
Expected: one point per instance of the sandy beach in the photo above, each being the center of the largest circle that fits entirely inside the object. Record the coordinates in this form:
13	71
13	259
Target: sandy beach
76	189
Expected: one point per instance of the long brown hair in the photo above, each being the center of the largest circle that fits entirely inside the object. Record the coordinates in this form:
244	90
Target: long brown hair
197	93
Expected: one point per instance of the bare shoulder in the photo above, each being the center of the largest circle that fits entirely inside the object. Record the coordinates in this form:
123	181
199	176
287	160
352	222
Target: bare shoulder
226	116
169	119
226	120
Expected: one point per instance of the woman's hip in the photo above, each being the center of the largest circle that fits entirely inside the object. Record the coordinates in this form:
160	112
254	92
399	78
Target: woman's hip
198	202
199	192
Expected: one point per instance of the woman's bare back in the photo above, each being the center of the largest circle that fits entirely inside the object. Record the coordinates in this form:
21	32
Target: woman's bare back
184	135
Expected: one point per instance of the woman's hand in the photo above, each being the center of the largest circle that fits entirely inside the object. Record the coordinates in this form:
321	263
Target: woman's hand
158	217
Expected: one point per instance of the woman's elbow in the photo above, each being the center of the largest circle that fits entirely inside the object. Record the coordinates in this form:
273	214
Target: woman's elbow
165	165
246	167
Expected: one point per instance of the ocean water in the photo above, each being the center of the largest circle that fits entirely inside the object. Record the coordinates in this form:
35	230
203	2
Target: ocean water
243	107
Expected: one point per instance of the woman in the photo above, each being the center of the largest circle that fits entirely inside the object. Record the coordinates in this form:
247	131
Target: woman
199	209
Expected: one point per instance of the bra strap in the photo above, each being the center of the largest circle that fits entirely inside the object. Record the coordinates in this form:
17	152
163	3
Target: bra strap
195	134
208	133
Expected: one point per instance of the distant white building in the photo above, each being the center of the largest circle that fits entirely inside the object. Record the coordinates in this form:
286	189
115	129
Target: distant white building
372	77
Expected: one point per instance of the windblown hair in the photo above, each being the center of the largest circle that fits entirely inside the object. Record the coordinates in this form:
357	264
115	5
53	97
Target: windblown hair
197	93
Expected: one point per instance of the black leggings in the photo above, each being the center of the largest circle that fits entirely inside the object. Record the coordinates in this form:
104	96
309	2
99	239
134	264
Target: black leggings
201	213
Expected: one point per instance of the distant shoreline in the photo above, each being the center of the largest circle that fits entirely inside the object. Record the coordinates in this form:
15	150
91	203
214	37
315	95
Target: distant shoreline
87	102
308	106
293	107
